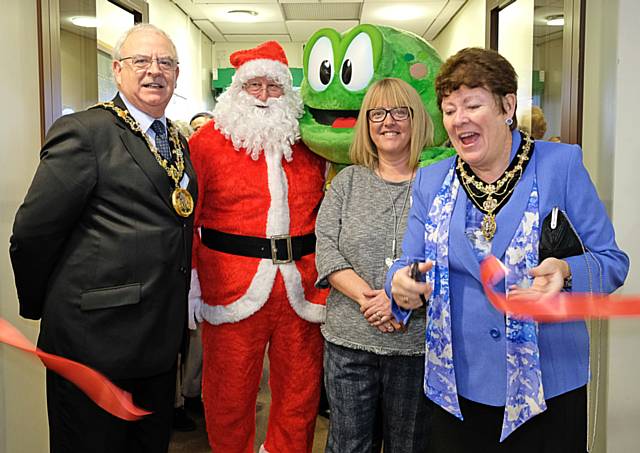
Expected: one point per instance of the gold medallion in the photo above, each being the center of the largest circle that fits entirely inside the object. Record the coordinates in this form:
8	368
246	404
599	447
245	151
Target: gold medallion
180	198
489	198
182	202
488	226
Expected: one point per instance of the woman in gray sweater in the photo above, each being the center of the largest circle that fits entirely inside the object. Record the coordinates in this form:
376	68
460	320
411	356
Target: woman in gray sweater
372	364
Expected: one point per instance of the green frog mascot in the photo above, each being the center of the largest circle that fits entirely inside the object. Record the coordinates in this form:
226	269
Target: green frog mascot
338	71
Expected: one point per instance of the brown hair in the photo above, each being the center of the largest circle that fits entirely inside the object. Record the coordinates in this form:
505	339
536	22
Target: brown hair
475	67
393	93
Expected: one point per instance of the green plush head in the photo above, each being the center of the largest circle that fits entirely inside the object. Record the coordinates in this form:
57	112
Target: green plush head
338	69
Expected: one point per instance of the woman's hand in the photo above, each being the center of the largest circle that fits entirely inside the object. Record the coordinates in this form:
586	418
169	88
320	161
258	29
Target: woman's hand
376	309
406	291
548	279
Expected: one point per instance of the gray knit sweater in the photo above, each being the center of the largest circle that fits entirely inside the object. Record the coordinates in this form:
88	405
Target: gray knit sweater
354	230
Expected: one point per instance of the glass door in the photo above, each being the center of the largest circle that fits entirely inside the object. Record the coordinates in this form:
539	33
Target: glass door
543	40
77	39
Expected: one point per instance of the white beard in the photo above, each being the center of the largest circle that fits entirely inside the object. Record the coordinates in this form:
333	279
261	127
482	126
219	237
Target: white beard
273	127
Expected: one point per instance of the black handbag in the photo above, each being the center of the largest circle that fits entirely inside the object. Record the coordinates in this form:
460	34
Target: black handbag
558	238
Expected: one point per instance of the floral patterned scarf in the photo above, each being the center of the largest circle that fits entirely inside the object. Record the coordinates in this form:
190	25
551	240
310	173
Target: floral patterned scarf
524	393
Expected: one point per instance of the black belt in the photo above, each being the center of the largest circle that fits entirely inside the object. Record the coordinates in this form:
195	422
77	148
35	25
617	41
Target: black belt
279	249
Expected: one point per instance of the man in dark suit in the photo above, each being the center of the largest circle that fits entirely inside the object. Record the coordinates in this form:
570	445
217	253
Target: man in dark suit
101	251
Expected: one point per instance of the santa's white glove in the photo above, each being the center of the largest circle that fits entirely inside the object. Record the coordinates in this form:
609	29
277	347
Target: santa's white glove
195	301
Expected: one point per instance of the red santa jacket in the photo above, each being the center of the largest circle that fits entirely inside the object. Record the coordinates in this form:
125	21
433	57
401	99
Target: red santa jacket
260	198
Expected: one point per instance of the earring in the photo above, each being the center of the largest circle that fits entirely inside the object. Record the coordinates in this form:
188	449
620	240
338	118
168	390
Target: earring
509	121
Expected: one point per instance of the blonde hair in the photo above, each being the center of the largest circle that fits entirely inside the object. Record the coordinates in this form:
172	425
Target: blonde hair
391	92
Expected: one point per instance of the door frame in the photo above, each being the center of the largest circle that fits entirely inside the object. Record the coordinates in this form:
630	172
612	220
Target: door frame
572	61
49	64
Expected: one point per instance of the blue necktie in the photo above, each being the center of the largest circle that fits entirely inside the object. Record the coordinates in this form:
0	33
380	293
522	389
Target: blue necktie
162	142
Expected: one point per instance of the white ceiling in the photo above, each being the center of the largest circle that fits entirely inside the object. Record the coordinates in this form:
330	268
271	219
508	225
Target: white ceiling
297	20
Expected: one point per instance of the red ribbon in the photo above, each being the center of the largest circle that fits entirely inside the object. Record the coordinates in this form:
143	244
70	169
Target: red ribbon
557	308
95	385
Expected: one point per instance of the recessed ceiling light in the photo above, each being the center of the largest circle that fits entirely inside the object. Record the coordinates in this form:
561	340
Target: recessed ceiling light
85	21
555	21
242	15
400	12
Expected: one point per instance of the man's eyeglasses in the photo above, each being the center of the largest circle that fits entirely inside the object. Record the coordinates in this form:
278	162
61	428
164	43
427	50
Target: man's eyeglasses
257	87
378	115
142	62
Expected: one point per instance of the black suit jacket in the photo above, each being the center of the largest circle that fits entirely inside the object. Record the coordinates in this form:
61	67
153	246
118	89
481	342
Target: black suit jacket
98	251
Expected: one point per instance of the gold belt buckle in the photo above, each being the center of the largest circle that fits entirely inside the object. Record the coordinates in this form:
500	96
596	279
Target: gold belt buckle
274	249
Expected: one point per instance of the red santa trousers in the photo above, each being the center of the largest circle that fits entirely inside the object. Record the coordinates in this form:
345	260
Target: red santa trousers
233	356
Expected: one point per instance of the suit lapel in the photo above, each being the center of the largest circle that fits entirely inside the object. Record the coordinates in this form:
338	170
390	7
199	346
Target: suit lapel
459	245
142	155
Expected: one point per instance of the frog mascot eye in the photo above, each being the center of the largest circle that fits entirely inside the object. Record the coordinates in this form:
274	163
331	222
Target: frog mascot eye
320	70
357	65
338	70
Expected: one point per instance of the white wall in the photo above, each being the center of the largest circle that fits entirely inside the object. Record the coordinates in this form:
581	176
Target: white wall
193	93
466	29
515	43
23	425
623	422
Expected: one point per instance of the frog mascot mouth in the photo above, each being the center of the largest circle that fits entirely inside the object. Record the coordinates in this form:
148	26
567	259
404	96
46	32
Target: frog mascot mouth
340	68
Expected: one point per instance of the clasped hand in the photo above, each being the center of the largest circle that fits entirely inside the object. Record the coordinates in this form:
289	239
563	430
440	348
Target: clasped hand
376	309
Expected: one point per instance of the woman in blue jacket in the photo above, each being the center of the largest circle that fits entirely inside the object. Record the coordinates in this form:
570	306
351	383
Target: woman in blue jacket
501	384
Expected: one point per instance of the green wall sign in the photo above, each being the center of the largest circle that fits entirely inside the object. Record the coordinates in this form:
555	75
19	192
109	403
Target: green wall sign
225	75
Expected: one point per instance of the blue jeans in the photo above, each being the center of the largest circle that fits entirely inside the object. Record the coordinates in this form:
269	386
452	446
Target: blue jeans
362	384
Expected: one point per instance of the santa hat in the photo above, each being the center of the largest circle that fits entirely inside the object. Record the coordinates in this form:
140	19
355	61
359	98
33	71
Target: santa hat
266	60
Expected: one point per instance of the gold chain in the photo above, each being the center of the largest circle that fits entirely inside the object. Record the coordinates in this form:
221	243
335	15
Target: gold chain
496	193
174	172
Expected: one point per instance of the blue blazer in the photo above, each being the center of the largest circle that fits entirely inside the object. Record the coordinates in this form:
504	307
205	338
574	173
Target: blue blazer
478	330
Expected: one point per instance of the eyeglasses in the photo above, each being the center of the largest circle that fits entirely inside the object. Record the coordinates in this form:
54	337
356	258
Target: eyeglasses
257	87
378	115
142	62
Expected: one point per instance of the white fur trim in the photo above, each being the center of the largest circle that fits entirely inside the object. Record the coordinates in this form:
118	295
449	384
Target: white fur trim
278	216
251	302
263	450
293	283
263	67
278	222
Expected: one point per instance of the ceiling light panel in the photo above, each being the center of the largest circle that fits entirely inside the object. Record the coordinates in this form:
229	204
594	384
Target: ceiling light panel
321	1
243	28
322	11
226	2
219	12
257	38
411	16
301	30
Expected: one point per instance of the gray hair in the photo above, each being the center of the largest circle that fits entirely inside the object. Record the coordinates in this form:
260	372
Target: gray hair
142	27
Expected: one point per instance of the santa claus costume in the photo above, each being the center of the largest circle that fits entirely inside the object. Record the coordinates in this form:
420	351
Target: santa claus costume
254	257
